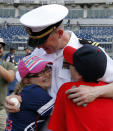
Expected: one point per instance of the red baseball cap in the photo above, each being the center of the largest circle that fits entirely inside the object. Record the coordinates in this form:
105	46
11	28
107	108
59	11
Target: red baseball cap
68	54
90	61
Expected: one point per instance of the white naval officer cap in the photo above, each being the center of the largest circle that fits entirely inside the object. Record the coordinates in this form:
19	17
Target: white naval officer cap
40	22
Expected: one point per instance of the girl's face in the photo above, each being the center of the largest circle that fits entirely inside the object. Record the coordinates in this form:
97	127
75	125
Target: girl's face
43	79
74	74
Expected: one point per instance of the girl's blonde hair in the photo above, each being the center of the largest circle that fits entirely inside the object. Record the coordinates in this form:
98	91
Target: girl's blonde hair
19	87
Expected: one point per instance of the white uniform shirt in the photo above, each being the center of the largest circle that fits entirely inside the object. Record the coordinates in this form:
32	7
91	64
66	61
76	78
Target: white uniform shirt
61	75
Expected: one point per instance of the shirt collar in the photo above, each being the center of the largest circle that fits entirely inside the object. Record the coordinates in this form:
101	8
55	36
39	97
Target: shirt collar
74	41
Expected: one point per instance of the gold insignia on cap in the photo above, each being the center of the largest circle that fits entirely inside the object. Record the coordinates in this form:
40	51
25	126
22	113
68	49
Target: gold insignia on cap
44	34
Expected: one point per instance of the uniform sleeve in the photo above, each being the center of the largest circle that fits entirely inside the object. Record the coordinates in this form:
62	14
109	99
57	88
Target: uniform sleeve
108	76
37	99
57	119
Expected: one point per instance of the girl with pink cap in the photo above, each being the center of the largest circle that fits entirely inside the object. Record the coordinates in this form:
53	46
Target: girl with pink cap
36	104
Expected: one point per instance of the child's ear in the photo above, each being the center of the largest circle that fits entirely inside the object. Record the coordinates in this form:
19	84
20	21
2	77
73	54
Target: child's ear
80	77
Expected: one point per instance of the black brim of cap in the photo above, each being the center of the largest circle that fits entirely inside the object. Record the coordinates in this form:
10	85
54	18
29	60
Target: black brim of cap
37	42
34	42
2	43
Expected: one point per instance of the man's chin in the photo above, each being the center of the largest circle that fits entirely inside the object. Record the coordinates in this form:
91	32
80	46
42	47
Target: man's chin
49	51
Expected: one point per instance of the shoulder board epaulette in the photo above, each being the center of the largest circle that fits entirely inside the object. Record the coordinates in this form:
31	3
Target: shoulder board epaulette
85	41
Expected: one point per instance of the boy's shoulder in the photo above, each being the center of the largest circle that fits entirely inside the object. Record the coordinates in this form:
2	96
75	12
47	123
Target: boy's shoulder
66	86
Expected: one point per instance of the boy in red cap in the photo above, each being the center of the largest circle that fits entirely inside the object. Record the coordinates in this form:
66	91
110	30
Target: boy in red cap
87	65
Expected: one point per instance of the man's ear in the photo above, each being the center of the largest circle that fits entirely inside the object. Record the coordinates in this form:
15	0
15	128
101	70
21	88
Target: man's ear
60	32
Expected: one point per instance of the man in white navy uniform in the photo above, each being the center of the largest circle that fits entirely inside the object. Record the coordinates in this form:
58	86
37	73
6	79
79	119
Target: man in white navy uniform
45	28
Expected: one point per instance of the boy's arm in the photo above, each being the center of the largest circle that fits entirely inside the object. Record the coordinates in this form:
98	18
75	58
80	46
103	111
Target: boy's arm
85	94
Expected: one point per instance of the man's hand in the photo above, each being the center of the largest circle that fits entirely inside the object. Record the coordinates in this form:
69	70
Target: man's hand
82	94
10	107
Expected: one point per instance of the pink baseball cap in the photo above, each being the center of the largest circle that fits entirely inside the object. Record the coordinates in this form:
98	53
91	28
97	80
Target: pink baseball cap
31	64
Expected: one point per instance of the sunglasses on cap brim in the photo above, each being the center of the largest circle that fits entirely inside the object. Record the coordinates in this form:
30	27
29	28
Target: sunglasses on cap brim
46	70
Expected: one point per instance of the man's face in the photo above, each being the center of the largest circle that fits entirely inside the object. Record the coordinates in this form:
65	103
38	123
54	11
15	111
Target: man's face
13	51
1	51
52	44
